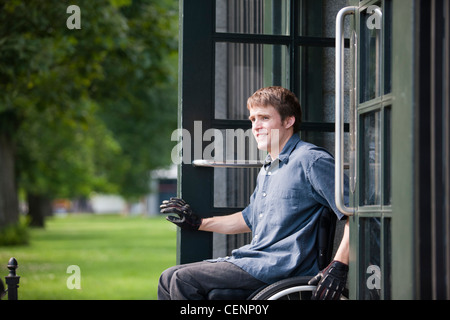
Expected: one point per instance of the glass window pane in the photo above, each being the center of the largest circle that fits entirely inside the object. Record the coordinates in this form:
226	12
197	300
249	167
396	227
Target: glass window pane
243	68
370	62
317	84
233	187
318	18
370	156
253	16
370	252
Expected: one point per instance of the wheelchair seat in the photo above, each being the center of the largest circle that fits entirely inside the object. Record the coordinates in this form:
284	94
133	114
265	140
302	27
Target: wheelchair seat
325	240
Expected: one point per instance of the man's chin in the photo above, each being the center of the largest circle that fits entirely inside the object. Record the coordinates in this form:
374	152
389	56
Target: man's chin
262	146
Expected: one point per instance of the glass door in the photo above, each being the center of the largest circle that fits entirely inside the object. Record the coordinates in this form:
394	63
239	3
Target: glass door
231	48
370	172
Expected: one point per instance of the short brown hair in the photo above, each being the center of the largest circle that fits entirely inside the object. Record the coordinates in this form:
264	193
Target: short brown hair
283	100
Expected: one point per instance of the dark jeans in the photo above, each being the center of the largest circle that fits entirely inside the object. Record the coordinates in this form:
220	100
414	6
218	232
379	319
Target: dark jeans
194	281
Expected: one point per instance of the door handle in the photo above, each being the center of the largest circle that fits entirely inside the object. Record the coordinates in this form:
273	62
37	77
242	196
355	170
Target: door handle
227	164
339	114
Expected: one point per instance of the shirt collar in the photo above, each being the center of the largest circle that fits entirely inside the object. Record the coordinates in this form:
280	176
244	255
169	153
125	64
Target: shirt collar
286	152
289	147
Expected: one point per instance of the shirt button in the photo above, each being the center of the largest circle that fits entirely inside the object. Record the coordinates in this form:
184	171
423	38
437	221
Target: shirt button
264	194
255	237
260	215
269	173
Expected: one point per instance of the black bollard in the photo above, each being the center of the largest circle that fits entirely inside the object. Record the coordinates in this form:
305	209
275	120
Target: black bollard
12	280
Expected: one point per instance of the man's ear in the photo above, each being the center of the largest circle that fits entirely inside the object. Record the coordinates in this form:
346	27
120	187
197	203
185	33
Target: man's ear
289	122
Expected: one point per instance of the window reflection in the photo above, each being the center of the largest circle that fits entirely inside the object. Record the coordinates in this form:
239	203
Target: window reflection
370	46
253	16
243	68
371	159
371	275
233	187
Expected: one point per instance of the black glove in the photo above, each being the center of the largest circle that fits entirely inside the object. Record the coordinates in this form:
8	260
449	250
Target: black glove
185	219
330	282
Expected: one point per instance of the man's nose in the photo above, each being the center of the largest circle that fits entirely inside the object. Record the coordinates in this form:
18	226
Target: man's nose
256	124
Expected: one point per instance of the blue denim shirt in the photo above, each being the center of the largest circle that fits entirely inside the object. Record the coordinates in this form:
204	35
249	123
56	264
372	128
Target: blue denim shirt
283	212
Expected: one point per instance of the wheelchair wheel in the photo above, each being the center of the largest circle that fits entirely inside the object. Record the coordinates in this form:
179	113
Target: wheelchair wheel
296	288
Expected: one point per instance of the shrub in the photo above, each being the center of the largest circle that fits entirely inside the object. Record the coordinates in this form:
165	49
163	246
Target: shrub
15	234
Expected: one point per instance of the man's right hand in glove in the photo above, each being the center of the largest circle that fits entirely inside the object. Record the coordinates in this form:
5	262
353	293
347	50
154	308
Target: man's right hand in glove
185	218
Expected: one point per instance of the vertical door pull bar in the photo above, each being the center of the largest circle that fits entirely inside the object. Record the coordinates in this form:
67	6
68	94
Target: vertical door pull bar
339	101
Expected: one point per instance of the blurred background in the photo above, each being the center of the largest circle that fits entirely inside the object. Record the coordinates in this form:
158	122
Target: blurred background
86	117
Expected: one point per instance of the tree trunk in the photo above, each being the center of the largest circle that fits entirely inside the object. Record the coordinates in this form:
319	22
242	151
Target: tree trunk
9	202
39	207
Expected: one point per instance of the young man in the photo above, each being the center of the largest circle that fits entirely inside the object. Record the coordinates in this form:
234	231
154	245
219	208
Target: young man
293	187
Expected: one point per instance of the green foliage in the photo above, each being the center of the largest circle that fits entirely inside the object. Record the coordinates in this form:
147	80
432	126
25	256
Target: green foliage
90	109
147	99
74	161
15	234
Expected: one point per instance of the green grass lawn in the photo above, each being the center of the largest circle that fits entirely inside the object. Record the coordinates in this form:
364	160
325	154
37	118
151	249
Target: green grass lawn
119	257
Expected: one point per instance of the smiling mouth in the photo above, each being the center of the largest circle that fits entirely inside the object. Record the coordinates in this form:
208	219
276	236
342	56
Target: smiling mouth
261	135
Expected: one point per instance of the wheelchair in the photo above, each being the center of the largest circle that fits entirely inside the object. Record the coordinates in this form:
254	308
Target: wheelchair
295	288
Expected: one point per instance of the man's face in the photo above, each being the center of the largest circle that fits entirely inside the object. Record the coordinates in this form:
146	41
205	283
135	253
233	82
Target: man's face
270	132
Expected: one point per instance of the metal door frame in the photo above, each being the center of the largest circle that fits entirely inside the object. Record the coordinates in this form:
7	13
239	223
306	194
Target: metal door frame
370	272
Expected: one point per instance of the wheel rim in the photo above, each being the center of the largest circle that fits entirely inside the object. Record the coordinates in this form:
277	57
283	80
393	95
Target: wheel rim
289	291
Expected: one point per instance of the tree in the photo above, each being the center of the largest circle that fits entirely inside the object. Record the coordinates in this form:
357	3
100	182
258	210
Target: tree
147	83
9	203
78	106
